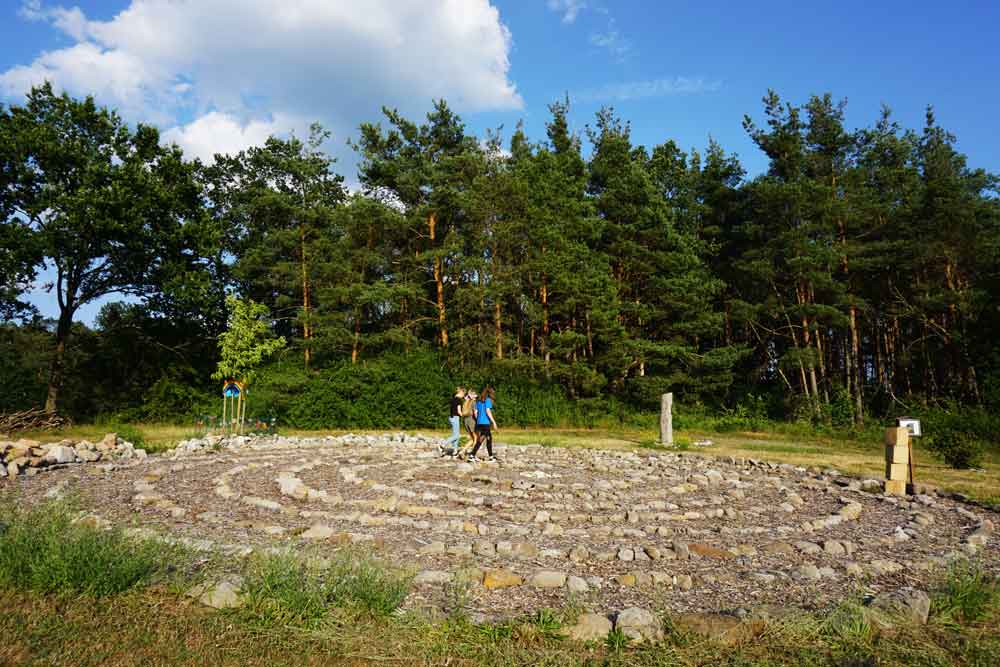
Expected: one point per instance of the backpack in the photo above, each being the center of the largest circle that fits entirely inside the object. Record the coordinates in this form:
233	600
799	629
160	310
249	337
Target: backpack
467	408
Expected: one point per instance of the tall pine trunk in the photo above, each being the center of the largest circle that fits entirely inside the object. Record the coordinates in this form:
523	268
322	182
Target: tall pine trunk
306	326
438	283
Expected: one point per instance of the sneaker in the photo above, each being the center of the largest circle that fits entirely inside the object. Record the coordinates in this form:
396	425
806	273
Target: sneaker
472	459
493	459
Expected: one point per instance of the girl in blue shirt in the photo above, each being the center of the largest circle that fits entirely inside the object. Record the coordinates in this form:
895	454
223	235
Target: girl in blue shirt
484	422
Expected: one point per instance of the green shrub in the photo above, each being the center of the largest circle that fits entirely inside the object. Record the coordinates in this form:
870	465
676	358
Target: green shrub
43	550
955	446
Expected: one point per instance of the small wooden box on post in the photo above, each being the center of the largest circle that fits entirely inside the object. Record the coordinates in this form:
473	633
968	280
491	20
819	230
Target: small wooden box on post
897	460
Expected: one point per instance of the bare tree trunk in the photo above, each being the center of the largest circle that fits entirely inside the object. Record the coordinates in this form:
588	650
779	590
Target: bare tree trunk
306	325
545	323
857	369
499	330
56	369
590	338
438	283
356	344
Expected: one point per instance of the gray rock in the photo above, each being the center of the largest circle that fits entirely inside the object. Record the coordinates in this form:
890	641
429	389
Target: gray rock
60	454
626	554
807	572
88	455
910	603
576	585
834	548
548	579
224	594
318	532
433	577
639	625
589	627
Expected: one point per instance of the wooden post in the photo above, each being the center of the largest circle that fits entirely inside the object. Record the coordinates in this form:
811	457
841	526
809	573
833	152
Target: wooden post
667	420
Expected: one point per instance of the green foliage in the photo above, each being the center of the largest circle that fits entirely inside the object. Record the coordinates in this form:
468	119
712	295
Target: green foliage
127	432
289	590
42	549
247	341
748	415
957	436
967	595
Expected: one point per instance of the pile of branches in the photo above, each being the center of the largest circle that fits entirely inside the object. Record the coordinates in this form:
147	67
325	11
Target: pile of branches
32	420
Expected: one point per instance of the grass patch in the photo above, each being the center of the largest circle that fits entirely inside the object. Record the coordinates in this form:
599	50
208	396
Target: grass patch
43	550
289	590
967	595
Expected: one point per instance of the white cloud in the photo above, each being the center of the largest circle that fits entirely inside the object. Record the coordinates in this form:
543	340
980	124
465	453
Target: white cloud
217	132
619	47
638	90
569	9
204	67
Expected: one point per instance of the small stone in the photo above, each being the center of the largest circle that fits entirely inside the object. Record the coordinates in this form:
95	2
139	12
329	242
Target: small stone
627	580
223	594
576	585
708	551
433	549
807	572
684	582
525	550
589	627
851	511
432	577
88	456
808	548
834	548
60	454
500	578
318	532
626	554
779	548
548	579
881	566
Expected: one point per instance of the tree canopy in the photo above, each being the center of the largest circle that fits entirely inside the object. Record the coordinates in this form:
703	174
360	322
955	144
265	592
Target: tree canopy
858	273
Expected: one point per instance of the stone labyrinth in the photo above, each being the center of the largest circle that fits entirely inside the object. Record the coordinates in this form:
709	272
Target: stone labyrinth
610	529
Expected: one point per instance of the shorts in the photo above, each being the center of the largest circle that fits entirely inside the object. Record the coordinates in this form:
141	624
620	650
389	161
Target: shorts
470	424
483	428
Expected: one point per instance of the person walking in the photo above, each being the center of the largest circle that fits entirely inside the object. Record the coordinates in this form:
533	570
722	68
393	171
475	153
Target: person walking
469	418
455	418
485	423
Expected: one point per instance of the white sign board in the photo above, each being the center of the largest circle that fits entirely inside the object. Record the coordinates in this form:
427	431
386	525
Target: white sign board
912	425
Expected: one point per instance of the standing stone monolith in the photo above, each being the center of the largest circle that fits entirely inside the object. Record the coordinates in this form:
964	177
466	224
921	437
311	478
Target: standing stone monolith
666	420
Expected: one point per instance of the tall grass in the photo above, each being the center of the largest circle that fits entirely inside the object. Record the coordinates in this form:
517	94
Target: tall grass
289	590
43	550
967	595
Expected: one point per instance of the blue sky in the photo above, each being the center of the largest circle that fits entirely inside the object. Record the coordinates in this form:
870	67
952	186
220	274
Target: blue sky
217	75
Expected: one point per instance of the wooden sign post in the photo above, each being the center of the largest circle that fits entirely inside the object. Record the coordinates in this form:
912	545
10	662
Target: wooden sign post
667	420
